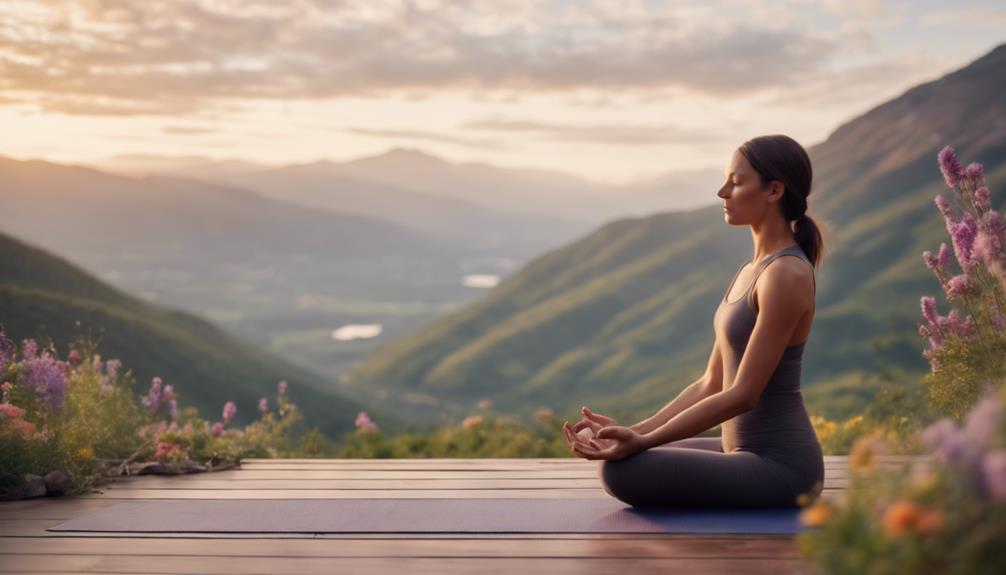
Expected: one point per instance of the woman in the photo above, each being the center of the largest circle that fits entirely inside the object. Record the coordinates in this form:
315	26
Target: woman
768	454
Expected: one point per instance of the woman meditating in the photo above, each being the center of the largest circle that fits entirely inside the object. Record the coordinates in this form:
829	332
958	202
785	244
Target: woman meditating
768	453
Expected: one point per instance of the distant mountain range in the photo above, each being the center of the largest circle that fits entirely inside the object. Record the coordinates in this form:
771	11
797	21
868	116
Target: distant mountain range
45	297
622	318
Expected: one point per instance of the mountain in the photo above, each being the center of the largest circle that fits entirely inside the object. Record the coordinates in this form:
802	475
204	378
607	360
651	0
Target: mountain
622	318
43	296
514	213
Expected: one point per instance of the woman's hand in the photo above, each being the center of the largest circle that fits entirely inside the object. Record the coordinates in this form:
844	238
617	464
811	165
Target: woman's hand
585	430
626	442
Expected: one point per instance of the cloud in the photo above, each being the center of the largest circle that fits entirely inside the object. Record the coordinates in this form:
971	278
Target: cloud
123	57
427	136
186	130
623	134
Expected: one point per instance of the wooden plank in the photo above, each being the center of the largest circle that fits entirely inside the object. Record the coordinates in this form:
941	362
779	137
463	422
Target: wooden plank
380	565
572	493
680	546
353	484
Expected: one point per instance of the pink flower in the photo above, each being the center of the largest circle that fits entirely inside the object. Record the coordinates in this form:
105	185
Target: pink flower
963	236
975	174
112	368
218	429
928	304
364	422
263	404
281	386
993	471
950	166
154	395
73	357
164	451
948	213
944	257
230	410
959	285
982	199
173	409
168	393
471	421
11	411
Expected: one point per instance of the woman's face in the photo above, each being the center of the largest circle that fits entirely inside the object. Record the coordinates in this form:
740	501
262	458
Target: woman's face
745	200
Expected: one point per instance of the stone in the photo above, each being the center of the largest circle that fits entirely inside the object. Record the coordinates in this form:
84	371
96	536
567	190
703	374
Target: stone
58	481
34	485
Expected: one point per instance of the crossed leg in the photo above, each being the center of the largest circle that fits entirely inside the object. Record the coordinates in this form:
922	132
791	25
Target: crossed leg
694	472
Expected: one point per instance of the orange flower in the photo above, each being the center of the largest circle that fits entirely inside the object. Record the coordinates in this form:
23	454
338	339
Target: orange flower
900	517
817	514
930	521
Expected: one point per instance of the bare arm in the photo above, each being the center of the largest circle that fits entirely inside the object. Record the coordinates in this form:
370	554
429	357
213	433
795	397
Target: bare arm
787	294
710	383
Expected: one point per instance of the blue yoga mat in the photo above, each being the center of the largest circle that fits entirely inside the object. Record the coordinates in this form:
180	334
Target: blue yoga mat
424	516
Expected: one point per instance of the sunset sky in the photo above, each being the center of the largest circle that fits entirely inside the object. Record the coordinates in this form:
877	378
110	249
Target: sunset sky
611	91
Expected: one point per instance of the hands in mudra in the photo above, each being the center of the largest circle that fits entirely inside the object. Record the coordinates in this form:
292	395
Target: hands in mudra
598	436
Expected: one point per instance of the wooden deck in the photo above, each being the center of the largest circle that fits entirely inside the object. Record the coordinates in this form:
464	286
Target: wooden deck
25	546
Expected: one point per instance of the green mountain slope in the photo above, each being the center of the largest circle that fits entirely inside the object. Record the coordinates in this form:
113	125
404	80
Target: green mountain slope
622	318
43	296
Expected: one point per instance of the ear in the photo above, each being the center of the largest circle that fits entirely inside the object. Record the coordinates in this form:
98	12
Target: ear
776	190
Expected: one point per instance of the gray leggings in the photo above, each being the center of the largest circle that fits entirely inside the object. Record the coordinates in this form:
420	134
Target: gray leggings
695	472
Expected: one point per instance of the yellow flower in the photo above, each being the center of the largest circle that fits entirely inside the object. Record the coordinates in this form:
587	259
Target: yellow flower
861	456
83	454
816	515
900	517
851	422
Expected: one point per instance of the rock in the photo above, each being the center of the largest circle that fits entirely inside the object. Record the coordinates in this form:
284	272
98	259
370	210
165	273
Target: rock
34	485
58	481
13	492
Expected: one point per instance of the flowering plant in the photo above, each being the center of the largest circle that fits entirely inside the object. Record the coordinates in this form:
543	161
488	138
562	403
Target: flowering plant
966	352
945	511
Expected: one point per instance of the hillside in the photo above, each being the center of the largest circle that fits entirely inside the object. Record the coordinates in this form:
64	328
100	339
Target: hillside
622	318
43	296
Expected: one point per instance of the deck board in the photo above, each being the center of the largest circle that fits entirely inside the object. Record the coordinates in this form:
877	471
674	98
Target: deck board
26	547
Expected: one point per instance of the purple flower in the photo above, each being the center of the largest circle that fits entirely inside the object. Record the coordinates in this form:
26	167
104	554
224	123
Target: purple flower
928	304
364	422
983	421
995	224
982	199
931	261
263	404
168	394
282	387
945	209
944	256
975	173
950	166
944	437
230	410
993	471
153	399
963	235
43	373
173	408
958	285
218	429
953	322
112	368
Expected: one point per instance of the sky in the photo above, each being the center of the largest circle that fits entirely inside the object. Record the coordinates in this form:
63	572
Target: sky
613	92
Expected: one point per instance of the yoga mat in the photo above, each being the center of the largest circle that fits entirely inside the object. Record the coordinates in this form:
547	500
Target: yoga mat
424	516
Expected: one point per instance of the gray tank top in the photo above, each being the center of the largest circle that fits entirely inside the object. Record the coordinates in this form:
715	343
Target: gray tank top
779	420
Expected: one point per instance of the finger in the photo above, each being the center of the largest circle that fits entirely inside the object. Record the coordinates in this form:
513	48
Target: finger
579	425
585	452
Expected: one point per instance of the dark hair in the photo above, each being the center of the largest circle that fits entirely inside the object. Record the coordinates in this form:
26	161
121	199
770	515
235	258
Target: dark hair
779	157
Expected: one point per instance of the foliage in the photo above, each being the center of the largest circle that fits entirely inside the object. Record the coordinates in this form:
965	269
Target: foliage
945	513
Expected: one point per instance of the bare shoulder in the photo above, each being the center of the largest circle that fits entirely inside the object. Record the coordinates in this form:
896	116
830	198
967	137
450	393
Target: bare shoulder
786	281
